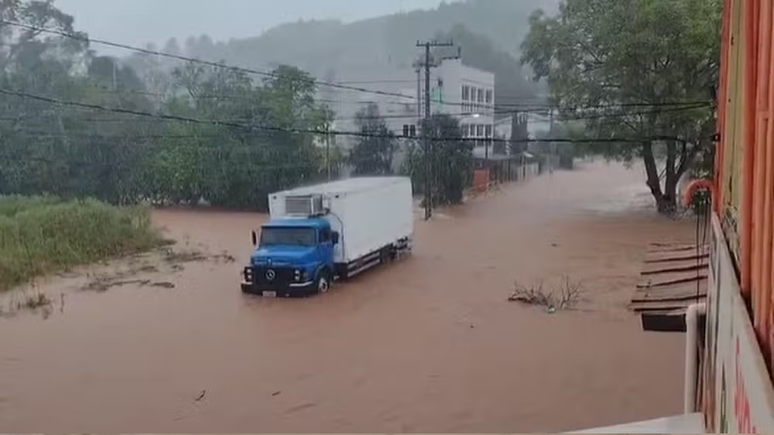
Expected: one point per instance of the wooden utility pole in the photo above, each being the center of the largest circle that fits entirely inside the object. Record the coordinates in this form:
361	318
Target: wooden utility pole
428	114
328	150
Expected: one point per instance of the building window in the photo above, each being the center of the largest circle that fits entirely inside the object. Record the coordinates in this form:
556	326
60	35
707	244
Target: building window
480	96
480	130
465	93
489	94
488	131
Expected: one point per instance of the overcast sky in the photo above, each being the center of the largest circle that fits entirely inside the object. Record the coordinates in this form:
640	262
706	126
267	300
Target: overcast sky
138	21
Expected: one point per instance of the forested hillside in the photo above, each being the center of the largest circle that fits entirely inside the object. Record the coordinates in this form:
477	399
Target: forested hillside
491	31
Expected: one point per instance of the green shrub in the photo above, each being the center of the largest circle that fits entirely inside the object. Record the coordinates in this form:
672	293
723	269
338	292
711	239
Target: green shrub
42	235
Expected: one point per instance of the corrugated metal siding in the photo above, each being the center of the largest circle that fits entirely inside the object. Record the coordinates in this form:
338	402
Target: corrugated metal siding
745	162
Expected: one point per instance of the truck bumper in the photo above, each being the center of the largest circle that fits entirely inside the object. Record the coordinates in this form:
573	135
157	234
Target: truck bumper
291	291
285	290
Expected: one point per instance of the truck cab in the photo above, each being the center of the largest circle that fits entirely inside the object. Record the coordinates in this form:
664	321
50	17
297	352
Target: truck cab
292	257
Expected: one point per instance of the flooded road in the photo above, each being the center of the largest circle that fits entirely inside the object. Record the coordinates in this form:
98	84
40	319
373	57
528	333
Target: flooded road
429	344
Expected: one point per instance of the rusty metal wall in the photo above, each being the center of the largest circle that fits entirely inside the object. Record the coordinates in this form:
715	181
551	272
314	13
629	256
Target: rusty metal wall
745	157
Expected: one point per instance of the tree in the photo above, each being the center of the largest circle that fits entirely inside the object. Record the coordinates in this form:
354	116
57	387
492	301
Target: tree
373	153
267	140
451	161
519	133
640	70
239	167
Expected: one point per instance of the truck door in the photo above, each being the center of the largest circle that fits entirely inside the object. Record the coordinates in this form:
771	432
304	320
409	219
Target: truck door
325	248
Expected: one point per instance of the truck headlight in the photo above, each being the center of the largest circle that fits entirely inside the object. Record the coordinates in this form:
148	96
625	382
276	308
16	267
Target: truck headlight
297	275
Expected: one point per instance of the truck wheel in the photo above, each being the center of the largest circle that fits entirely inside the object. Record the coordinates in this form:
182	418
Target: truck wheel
387	255
323	283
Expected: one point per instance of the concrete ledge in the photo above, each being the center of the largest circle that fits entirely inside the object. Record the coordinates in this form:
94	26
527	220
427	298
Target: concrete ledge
681	424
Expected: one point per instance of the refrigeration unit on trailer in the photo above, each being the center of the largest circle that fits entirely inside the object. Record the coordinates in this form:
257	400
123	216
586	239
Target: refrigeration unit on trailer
321	233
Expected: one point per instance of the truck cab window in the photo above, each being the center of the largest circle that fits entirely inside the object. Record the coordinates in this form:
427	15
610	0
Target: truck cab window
325	235
287	236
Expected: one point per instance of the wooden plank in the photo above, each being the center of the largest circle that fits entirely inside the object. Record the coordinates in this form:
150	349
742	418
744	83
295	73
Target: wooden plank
656	305
686	293
668	247
661	257
675	266
670	288
675	288
665	279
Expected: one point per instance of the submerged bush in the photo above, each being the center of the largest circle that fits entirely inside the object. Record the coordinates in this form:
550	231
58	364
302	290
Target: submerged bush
41	235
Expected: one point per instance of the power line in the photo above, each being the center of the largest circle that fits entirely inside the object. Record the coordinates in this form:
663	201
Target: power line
276	129
113	164
83	38
498	109
376	81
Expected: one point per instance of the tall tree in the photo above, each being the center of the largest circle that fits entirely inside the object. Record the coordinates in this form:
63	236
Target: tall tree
373	153
623	65
450	160
519	133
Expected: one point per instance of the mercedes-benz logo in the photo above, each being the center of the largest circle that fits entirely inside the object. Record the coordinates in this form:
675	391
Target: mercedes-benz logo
271	274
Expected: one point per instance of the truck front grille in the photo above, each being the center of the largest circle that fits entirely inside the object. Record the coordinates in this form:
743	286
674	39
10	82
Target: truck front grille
267	276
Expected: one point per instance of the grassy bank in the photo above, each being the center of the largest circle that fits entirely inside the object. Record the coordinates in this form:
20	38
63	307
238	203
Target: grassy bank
43	235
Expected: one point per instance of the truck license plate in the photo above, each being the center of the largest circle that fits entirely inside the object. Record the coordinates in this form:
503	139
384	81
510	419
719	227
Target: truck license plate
270	294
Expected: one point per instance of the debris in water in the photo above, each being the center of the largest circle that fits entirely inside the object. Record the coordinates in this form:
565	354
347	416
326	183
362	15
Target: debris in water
276	393
148	268
201	396
564	297
163	285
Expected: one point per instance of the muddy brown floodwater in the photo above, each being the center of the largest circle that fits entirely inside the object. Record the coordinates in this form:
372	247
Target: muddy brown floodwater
429	344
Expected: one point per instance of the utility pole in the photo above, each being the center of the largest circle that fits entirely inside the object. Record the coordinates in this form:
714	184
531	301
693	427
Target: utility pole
328	150
552	145
428	146
114	75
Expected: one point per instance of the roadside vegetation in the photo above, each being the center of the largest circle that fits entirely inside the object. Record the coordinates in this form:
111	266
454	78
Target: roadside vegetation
43	234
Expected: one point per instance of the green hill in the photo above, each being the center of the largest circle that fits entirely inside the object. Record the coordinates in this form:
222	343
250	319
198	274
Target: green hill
489	31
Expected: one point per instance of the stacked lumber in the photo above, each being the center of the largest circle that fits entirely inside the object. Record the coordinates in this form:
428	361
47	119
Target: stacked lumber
673	278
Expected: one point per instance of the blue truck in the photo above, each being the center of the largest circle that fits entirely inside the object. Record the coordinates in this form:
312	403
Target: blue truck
319	234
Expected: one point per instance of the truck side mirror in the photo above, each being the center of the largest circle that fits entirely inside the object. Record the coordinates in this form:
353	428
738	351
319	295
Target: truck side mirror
335	237
255	239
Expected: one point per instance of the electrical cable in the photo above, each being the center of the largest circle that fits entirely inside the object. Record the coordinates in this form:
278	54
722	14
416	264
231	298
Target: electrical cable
82	37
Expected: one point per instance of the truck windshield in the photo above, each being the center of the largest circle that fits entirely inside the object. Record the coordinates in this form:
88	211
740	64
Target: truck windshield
288	236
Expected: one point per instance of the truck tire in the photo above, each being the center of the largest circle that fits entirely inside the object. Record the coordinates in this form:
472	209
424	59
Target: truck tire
387	255
323	282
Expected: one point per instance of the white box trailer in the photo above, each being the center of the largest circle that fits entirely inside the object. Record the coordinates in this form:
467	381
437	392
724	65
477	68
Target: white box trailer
338	229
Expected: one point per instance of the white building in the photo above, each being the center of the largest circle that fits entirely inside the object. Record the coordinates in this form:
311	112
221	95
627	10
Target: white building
458	90
468	94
